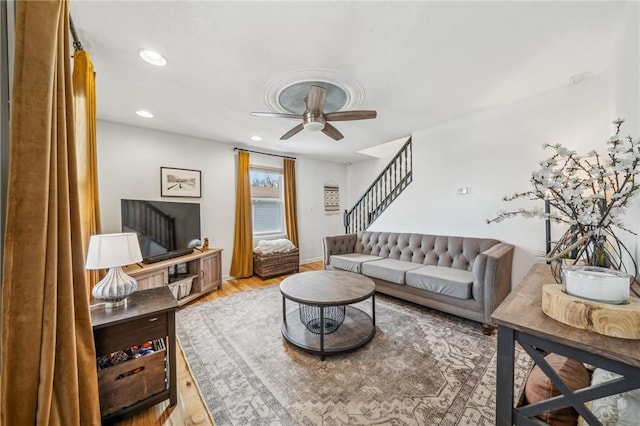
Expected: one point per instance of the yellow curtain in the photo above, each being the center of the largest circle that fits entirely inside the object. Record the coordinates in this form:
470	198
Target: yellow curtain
242	259
290	203
84	90
48	356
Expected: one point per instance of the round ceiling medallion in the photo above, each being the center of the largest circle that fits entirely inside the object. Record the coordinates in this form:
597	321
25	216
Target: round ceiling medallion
292	97
286	93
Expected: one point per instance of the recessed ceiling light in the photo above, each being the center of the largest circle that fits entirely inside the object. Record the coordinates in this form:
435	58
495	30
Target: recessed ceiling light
152	57
144	114
256	138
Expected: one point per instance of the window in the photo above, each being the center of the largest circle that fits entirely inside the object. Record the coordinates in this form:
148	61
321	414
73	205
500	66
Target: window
267	201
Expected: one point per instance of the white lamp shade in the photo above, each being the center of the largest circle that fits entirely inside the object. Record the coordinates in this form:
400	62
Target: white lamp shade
109	250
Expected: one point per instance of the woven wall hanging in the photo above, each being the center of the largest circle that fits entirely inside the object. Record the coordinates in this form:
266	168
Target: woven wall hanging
331	198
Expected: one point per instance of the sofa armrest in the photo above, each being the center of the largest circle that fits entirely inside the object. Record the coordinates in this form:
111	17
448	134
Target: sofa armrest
492	277
338	244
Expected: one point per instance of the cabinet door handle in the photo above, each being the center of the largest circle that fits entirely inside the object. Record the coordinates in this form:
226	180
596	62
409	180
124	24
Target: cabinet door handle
153	319
130	373
202	274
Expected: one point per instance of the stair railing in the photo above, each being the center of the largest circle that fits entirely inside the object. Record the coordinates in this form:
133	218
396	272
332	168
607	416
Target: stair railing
395	177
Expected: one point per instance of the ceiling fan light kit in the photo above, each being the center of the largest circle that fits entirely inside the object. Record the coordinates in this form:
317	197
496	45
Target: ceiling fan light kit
315	119
313	123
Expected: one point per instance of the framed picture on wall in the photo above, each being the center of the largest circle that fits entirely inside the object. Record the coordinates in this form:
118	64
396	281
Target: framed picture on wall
180	182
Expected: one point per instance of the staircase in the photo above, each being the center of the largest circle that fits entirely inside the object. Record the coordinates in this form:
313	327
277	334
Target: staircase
395	177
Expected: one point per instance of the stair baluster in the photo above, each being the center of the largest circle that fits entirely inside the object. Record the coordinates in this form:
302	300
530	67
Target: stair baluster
395	177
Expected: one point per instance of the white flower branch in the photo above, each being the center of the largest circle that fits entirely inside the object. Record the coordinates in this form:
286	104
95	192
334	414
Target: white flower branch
589	192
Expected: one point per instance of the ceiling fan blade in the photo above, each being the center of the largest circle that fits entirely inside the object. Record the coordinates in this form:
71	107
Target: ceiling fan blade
317	97
276	114
332	132
292	132
350	115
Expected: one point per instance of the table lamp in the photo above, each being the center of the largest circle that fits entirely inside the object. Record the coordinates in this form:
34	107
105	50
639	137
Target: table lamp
113	251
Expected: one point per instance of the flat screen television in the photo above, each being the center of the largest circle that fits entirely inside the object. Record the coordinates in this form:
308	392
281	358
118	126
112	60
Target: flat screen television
165	229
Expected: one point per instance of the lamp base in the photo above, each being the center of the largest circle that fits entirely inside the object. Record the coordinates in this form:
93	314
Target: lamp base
114	304
114	288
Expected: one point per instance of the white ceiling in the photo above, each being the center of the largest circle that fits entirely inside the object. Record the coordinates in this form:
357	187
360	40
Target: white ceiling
418	63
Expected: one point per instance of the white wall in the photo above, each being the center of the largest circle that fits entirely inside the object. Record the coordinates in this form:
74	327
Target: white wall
625	72
129	161
311	175
625	99
493	153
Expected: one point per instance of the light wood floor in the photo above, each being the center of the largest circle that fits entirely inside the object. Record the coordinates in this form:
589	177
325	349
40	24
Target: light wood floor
190	409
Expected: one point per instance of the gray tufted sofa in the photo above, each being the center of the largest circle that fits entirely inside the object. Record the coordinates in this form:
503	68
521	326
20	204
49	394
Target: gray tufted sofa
468	277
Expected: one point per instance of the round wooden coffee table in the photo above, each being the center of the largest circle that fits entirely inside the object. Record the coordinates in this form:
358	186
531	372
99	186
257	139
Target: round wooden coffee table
325	322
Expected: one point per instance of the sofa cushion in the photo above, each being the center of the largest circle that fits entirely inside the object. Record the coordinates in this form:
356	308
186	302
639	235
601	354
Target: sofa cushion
440	279
388	269
351	262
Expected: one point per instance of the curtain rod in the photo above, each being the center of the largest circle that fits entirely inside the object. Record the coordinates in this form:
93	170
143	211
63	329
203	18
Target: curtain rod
76	41
263	153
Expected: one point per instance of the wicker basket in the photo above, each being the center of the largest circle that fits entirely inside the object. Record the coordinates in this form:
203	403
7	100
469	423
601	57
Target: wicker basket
175	289
273	264
185	288
181	288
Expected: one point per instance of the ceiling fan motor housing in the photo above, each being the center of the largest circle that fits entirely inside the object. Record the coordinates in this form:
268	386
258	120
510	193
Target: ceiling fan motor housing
314	117
313	122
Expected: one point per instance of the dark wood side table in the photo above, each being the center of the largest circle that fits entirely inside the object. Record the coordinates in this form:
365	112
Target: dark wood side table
136	384
520	319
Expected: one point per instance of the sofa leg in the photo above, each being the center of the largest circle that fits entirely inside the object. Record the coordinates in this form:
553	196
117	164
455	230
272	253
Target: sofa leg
488	329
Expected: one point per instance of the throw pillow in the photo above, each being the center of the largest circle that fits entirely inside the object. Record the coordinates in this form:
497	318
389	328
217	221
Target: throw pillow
539	387
616	410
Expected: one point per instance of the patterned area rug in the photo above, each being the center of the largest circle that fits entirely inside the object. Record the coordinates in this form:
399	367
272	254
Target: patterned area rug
421	368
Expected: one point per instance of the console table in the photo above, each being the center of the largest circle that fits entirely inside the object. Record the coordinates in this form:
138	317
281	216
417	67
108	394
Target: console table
202	269
520	319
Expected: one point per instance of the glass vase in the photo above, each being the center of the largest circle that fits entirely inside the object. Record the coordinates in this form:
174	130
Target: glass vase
595	283
594	247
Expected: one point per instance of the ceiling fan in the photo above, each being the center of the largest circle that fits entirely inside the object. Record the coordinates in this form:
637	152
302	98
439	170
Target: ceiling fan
315	119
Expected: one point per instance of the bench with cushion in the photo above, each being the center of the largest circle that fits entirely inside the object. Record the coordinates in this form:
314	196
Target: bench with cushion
464	276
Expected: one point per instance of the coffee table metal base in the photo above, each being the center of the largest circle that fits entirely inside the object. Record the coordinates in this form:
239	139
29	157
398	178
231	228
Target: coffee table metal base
357	329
